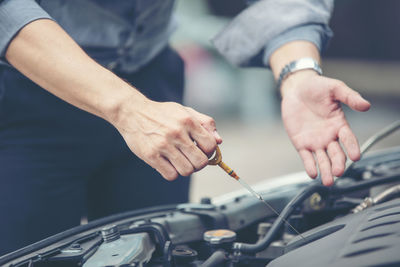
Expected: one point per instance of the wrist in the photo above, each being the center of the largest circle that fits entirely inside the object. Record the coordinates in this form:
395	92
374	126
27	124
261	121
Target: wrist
125	99
292	51
291	83
298	65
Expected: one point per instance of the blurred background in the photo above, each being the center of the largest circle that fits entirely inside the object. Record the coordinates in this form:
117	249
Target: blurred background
364	53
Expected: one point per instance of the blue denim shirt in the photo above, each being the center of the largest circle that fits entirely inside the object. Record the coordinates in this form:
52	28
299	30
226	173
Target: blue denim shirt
129	33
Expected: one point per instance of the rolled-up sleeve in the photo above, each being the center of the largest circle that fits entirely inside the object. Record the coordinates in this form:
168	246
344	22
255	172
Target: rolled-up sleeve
251	37
318	34
14	15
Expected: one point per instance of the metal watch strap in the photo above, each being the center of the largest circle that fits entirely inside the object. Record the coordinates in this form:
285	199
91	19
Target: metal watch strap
296	65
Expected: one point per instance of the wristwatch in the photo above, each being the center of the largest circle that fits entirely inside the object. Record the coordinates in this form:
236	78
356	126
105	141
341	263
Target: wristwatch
296	65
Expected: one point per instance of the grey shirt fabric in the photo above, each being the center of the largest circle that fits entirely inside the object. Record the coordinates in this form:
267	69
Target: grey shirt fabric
119	34
126	34
15	14
267	24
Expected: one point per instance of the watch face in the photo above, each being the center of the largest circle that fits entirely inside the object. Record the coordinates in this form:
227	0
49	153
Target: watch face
300	64
305	63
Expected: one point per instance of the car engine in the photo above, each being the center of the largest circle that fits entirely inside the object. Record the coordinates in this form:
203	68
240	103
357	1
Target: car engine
356	222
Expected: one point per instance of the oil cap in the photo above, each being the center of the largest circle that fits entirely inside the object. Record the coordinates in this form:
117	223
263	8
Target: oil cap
183	255
220	236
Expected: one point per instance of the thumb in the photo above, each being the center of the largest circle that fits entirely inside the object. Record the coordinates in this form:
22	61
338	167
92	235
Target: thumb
353	99
207	122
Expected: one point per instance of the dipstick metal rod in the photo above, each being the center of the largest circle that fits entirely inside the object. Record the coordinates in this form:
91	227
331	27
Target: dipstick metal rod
217	160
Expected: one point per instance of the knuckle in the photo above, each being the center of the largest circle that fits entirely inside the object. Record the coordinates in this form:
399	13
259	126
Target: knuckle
340	83
150	155
186	120
162	144
175	133
171	175
210	121
337	83
202	162
187	171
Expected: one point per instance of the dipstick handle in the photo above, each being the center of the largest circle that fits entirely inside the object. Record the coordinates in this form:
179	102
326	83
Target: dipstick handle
228	170
217	160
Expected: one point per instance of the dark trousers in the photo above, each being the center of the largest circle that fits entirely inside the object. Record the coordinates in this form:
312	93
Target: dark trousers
59	163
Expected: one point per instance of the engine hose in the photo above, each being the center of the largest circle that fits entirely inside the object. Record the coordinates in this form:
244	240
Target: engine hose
387	194
314	187
374	139
388	178
384	196
216	259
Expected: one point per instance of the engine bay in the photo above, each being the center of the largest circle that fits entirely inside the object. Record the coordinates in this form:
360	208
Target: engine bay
356	222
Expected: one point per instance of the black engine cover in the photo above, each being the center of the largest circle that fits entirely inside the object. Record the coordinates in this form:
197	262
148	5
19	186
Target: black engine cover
368	238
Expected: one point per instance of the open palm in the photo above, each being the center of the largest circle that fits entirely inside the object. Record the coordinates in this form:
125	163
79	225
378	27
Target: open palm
315	123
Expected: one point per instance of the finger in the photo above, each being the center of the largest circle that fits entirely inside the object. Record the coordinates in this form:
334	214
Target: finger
324	165
350	143
165	168
350	97
309	163
192	152
180	162
218	138
204	140
337	157
208	123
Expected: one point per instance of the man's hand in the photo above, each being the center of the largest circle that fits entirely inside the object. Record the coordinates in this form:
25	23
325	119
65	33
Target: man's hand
315	122
171	138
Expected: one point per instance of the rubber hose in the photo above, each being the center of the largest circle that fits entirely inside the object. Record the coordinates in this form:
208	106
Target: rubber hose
216	259
287	211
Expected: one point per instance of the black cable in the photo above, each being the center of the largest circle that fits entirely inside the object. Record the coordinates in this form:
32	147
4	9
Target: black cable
314	187
287	211
388	178
157	229
373	140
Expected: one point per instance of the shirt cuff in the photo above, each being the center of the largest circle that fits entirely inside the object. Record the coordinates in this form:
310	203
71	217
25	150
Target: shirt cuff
14	15
318	34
